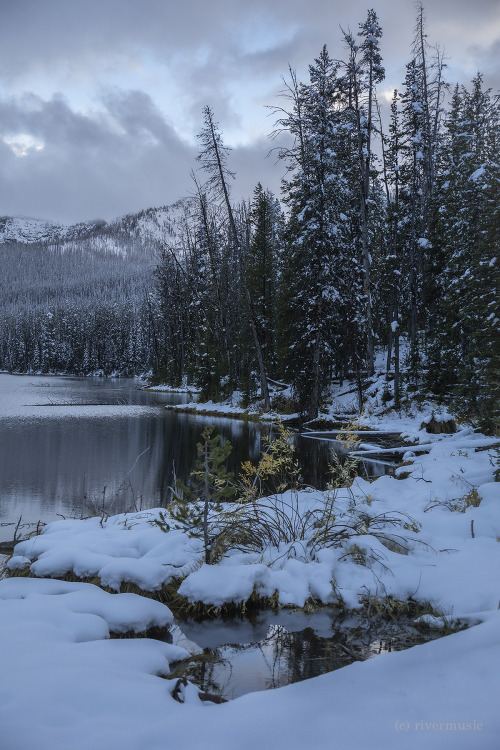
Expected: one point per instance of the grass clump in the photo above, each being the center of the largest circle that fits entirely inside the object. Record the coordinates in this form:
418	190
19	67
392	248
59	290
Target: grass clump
471	499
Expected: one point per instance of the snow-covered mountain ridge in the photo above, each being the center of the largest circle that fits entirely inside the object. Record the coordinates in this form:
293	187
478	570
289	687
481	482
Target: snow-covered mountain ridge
153	224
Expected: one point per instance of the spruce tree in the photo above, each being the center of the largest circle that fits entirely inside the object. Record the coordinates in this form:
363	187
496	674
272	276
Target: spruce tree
264	249
464	353
316	231
363	71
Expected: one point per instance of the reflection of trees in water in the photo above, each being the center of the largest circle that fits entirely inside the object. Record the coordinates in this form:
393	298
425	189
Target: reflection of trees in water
284	657
299	656
210	671
293	657
177	436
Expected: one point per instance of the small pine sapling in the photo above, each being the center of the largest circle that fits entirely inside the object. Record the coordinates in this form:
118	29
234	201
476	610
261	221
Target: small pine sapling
197	506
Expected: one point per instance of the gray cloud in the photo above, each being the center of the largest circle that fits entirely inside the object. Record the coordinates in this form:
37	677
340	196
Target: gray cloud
123	159
95	37
135	76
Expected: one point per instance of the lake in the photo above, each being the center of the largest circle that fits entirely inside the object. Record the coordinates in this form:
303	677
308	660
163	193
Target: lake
69	445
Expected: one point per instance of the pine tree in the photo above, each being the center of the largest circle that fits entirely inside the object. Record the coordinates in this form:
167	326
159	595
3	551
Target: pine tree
196	506
263	259
364	71
422	97
316	231
213	360
390	268
213	158
464	353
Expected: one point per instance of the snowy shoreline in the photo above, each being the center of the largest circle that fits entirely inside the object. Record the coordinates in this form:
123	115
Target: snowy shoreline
60	662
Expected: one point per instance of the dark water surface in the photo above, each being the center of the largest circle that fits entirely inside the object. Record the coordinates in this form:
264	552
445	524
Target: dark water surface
236	656
68	445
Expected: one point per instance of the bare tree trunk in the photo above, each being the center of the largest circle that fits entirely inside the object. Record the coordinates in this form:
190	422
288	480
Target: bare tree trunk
206	499
213	272
389	342
156	347
359	387
397	397
312	411
264	388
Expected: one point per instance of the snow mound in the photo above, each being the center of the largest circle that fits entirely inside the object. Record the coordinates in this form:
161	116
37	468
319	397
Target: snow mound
104	612
127	548
62	686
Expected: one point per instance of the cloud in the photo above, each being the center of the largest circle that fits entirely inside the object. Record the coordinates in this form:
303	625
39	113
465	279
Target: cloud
79	41
118	159
133	79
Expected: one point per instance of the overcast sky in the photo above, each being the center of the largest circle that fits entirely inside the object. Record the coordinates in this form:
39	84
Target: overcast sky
101	100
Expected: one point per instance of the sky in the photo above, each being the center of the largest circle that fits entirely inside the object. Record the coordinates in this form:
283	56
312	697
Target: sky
101	100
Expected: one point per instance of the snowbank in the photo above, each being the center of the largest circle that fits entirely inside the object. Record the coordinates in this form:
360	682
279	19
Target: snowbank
443	559
62	686
125	548
79	689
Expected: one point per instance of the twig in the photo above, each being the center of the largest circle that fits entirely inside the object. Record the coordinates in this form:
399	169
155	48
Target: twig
138	457
17	528
350	652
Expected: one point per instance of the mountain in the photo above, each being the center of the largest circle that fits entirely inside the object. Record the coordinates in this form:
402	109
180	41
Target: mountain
27	229
82	298
148	228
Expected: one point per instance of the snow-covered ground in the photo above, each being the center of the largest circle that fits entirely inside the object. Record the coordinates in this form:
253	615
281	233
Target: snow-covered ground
79	690
227	409
172	389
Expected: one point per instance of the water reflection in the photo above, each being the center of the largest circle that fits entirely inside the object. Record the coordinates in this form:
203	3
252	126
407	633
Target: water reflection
233	657
67	444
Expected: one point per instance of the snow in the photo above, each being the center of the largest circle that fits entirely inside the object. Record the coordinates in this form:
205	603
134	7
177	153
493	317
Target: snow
153	224
116	613
63	682
62	686
125	548
439	416
475	176
172	389
230	409
28	229
80	689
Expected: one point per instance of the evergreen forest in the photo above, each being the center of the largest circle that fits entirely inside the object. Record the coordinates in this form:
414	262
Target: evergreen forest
385	237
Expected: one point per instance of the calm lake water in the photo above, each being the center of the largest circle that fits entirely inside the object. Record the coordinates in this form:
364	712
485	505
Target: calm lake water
69	444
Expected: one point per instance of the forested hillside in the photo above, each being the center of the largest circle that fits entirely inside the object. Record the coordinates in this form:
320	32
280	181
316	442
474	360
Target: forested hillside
386	232
81	299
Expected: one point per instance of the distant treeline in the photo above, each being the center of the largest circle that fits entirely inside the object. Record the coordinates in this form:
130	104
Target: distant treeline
75	308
